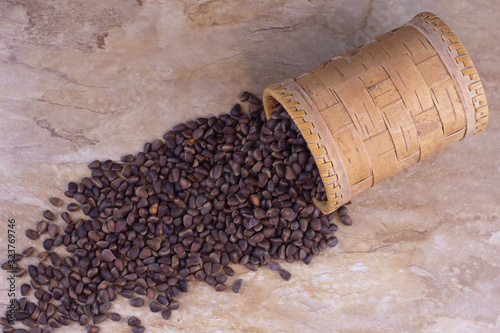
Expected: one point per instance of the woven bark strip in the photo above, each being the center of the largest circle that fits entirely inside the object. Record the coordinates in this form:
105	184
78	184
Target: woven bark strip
385	106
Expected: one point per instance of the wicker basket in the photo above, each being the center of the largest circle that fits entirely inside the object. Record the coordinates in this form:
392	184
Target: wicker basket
385	106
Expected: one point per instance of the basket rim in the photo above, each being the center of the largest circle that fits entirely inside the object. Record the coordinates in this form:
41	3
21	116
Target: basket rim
323	149
456	59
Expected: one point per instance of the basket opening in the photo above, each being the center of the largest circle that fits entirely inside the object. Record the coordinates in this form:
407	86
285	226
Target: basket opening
274	96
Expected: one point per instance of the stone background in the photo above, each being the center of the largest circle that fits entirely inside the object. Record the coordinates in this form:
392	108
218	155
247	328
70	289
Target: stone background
88	79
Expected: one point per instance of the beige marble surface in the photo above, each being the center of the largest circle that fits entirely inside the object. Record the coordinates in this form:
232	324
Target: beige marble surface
91	79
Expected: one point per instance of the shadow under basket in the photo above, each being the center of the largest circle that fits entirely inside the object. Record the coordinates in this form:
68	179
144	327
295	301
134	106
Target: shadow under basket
385	106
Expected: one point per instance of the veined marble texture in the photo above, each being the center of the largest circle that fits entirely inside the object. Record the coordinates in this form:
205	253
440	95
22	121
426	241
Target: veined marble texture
88	79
